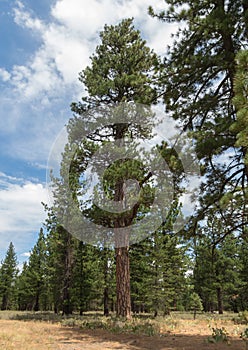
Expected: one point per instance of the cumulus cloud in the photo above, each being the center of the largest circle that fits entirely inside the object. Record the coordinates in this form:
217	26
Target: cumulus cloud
71	36
44	85
21	212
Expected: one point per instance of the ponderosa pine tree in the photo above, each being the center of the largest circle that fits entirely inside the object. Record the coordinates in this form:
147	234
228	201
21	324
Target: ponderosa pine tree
240	126
8	274
121	70
199	85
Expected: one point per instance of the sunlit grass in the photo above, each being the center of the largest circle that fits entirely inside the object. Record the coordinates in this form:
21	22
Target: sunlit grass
42	331
32	335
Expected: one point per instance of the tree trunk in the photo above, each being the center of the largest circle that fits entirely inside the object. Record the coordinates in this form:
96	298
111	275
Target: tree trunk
194	314
123	297
220	300
106	284
67	306
121	232
106	301
37	299
4	305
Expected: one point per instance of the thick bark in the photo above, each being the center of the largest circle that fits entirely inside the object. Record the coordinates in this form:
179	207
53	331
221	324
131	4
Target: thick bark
123	294
123	301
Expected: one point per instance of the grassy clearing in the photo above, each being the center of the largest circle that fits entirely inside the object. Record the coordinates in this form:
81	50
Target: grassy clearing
144	324
28	330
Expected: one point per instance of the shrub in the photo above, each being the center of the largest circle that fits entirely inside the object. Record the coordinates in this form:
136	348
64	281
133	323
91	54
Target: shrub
244	336
242	318
219	335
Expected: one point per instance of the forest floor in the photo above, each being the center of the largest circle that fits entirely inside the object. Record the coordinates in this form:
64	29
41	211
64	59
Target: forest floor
186	334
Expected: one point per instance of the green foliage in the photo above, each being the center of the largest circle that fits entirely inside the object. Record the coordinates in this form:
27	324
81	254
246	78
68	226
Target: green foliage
157	273
121	68
203	81
8	274
136	326
195	303
219	335
33	291
199	82
242	318
244	336
87	277
240	101
217	265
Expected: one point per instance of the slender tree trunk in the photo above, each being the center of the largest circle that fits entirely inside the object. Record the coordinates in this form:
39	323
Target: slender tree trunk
4	305
67	307
106	301
106	284
220	300
81	296
37	299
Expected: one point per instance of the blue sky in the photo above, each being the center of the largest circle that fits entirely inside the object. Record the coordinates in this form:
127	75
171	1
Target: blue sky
44	45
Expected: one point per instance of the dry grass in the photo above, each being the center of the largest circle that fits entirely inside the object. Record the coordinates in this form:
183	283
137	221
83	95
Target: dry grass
176	333
27	335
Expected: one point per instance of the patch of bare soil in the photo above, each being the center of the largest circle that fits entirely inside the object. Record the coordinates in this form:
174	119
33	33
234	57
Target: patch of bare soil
44	336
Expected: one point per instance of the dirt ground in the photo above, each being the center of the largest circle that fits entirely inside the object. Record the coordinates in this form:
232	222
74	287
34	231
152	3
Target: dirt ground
33	335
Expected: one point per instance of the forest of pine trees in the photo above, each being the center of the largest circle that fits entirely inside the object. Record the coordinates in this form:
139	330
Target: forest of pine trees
165	276
202	83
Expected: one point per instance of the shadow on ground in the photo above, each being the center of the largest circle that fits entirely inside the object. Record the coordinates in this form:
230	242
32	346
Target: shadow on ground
103	340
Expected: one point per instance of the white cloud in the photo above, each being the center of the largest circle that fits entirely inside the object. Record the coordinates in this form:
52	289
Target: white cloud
21	212
4	75
24	19
70	38
85	21
45	85
26	254
5	180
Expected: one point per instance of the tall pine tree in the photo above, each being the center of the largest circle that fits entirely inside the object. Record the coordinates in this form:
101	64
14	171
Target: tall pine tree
121	71
199	86
8	274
